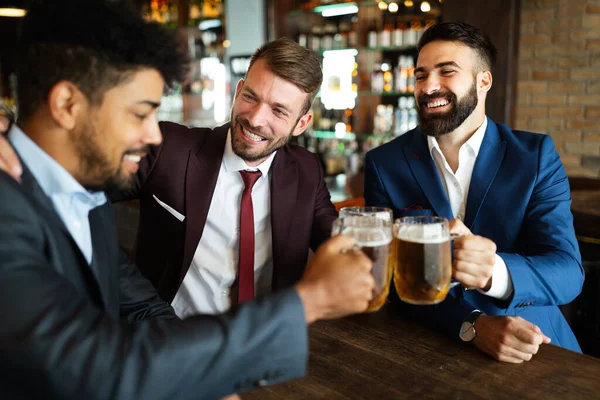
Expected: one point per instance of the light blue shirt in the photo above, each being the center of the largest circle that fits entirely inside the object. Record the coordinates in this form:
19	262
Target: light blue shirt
71	201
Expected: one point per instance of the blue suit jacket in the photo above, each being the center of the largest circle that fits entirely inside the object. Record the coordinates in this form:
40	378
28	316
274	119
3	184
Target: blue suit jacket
519	198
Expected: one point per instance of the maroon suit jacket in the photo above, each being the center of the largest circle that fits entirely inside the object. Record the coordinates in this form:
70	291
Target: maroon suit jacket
182	172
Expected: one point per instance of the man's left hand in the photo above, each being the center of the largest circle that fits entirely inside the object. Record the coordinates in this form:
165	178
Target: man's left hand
474	258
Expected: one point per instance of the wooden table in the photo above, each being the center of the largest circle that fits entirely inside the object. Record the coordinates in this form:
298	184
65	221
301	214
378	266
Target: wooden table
381	356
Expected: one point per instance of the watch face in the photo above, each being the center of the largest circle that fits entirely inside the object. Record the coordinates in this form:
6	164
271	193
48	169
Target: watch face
467	332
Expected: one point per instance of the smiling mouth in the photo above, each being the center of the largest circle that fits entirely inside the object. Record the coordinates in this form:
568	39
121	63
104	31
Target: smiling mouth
252	136
133	158
437	104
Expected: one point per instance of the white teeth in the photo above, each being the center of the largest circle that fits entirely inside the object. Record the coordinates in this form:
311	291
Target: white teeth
133	158
438	103
252	136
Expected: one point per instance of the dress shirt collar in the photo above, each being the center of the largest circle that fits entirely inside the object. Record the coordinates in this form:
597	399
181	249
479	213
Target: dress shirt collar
50	175
233	162
473	144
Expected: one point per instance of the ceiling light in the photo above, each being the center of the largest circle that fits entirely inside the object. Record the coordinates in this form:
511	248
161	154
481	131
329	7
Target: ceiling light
12	12
382	5
341	9
425	6
393	7
408	3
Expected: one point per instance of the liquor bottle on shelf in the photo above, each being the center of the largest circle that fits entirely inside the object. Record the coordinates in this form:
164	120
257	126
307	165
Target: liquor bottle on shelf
397	35
347	119
385	35
303	39
410	36
353	33
372	35
384	119
377	81
388	77
195	12
401	117
410	78
405	116
418	28
326	121
317	112
401	81
413	120
342	39
315	38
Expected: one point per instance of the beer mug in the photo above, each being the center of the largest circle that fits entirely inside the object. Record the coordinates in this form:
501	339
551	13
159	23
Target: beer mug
373	235
379	212
422	264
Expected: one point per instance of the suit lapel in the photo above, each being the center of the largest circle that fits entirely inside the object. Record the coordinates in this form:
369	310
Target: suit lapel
284	190
489	159
101	264
423	168
46	208
203	168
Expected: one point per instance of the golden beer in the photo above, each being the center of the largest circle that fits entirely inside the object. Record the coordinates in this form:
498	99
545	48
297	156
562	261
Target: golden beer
422	265
372	230
379	254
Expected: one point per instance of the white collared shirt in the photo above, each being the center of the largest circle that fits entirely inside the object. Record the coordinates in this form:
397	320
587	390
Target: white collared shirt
457	190
71	201
206	286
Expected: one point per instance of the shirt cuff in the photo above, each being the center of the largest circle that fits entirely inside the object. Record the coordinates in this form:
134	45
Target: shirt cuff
502	286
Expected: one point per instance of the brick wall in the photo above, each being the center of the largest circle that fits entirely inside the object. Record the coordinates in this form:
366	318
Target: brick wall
559	78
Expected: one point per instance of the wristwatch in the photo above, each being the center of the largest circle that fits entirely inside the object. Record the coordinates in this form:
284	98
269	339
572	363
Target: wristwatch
467	330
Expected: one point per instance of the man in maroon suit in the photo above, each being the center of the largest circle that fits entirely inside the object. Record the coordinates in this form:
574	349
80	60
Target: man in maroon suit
190	190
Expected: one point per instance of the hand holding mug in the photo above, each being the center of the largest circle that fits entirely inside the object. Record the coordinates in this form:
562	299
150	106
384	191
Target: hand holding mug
474	257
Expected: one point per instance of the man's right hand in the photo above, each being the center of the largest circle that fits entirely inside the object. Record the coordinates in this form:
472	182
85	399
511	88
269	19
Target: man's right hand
336	282
508	339
9	162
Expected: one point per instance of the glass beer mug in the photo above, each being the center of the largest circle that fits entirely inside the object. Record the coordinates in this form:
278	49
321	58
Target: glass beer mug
379	212
373	235
422	264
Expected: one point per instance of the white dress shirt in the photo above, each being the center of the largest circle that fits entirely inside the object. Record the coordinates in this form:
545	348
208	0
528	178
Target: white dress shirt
71	201
206	286
457	190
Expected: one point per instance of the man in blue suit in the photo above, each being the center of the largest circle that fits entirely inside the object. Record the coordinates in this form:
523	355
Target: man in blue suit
506	190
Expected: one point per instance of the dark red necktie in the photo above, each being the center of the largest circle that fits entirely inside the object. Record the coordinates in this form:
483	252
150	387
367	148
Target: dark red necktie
246	281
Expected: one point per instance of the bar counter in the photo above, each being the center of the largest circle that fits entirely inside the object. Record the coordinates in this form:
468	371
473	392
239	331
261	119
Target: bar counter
382	356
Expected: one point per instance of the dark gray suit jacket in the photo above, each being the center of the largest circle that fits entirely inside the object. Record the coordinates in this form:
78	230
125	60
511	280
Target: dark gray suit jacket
68	331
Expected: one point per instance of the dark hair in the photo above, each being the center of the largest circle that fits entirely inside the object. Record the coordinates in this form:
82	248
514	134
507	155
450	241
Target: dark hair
466	34
96	44
294	63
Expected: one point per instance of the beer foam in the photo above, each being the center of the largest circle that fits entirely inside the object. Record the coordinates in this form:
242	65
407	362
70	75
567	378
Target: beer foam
373	243
425	234
369	236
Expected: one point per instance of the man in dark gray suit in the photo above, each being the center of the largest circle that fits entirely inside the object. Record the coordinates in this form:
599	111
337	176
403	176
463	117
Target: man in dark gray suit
76	320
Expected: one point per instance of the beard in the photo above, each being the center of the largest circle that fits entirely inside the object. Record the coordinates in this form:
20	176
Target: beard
95	167
245	151
443	123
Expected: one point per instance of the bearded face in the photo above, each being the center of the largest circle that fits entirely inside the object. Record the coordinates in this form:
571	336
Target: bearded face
442	112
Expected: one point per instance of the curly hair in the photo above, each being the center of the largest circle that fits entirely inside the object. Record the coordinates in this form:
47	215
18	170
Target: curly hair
96	44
